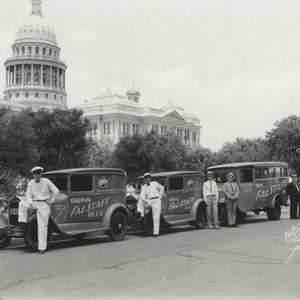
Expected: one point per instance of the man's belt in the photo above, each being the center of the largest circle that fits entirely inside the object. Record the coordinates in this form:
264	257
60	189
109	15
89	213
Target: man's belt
154	198
39	200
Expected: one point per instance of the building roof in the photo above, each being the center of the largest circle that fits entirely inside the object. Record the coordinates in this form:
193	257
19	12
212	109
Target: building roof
174	174
36	28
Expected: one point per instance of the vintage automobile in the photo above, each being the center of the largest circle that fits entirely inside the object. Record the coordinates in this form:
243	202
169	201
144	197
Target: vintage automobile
90	200
182	201
262	187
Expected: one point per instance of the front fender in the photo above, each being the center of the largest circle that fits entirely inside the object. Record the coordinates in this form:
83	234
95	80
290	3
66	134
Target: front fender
115	207
197	203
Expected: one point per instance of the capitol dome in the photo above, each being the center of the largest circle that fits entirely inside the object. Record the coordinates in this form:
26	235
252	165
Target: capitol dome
36	29
35	75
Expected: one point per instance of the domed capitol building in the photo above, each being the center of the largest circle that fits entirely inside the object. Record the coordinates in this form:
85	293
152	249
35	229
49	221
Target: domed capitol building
36	78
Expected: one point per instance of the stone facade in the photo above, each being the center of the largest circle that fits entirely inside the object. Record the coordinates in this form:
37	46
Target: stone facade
114	116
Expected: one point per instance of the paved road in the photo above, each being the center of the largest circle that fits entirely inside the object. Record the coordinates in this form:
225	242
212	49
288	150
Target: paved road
253	260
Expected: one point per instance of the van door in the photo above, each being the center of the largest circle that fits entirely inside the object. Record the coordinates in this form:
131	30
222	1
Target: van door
247	190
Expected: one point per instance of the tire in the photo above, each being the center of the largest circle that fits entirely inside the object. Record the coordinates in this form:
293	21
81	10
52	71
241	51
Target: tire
4	241
240	216
117	226
31	236
274	213
148	224
223	215
200	222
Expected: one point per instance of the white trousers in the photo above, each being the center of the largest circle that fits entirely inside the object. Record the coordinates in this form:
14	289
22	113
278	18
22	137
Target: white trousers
155	204
43	212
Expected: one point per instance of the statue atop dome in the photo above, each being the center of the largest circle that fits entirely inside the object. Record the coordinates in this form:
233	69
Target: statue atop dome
36	7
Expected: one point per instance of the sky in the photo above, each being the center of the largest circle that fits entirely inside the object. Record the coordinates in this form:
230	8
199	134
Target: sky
235	64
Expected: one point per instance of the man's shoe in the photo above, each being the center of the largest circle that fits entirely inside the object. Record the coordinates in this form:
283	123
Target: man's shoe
229	226
235	225
42	251
217	227
210	227
155	235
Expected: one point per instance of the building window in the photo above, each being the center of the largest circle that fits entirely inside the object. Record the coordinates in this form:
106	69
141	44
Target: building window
37	50
186	136
18	95
9	96
46	95
54	96
135	129
44	51
179	132
155	128
36	95
94	129
50	52
17	51
194	137
23	50
125	128
29	50
26	95
106	128
163	129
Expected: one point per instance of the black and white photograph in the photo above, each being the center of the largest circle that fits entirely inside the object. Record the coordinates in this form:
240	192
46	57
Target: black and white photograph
149	149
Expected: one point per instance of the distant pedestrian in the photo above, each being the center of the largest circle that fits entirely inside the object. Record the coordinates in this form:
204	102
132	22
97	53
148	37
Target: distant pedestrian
151	193
292	190
211	197
39	195
231	191
130	190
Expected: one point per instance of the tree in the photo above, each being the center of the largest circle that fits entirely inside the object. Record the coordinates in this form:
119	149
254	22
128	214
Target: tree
284	141
243	150
199	159
60	138
18	151
150	153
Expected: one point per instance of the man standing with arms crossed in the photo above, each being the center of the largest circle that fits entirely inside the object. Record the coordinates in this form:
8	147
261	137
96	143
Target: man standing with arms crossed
292	190
40	195
231	191
211	197
151	193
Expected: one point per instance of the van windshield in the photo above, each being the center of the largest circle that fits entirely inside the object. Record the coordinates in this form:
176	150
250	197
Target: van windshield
60	181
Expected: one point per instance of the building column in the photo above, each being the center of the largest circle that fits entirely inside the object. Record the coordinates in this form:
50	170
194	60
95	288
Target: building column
32	77
14	75
41	78
23	75
50	81
6	76
57	77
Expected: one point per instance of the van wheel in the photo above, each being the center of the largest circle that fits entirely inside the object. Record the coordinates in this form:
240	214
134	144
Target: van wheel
274	213
200	221
31	235
223	215
4	241
118	226
240	216
148	224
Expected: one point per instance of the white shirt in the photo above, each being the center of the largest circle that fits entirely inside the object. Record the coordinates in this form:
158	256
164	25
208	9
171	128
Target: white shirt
153	190
210	188
44	190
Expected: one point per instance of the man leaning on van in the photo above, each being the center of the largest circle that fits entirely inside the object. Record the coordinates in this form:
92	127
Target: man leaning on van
231	191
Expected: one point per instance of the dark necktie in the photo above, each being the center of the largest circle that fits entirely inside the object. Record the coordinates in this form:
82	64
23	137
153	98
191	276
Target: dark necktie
210	187
37	181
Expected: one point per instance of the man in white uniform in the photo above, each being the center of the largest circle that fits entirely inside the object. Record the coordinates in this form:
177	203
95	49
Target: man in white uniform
211	197
40	195
151	193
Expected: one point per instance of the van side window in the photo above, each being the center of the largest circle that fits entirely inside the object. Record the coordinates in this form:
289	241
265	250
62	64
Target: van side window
258	174
264	173
81	183
246	175
285	172
176	183
278	172
220	177
271	172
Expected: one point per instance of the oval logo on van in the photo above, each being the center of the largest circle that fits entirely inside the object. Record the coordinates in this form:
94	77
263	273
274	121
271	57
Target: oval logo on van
103	183
190	183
